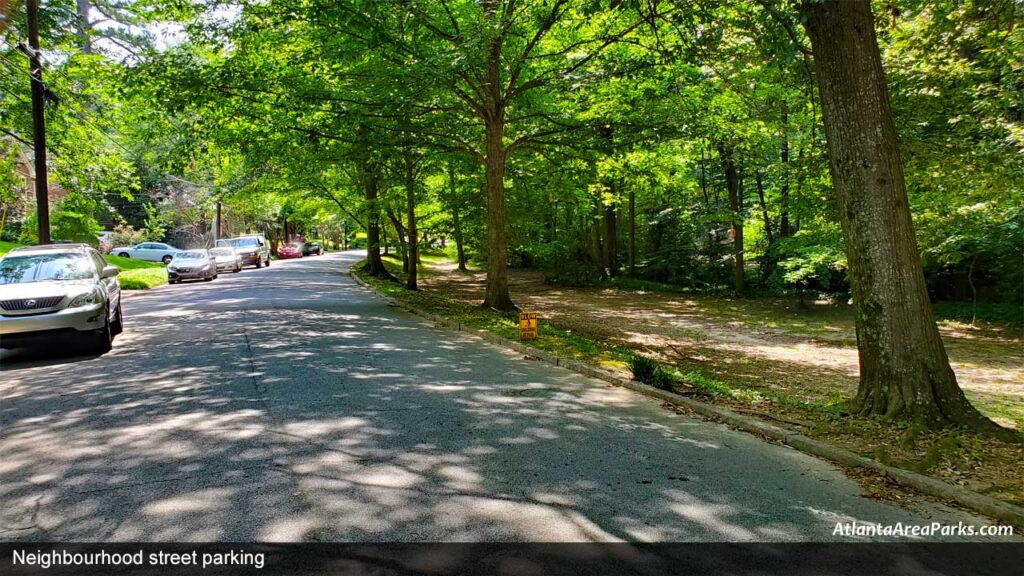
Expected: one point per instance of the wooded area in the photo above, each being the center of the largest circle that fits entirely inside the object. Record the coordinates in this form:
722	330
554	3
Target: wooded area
871	151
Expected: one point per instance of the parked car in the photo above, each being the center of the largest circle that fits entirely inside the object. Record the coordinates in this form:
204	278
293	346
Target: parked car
227	259
192	265
293	250
58	290
311	248
151	251
253	249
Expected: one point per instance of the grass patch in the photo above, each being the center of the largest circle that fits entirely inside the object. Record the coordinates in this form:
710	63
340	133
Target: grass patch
6	247
138	274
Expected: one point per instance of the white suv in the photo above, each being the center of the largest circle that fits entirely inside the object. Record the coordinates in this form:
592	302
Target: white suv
55	290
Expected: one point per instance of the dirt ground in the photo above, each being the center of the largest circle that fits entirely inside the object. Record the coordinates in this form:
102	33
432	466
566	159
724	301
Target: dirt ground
799	358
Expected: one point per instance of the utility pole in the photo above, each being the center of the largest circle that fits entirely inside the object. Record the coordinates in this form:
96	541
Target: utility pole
218	231
38	122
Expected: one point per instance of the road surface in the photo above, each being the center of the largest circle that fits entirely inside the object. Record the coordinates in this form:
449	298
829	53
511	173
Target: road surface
289	404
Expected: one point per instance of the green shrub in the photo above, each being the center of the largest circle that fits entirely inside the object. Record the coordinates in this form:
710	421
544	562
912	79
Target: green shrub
663	379
125	235
643	368
650	372
65	226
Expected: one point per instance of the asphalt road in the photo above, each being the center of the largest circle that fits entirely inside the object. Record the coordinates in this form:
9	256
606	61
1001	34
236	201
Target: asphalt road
290	404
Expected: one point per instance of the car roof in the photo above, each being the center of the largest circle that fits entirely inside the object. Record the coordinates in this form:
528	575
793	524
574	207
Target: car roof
69	247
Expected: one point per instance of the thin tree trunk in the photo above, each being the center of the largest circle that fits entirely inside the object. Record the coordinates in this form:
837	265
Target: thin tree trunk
83	26
974	291
400	232
732	184
610	259
768	263
784	190
632	231
769	234
410	208
595	234
904	370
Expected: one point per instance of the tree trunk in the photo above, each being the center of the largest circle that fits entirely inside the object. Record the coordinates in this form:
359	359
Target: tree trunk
497	295
410	209
400	232
456	208
83	26
784	190
768	261
371	182
595	235
904	370
732	184
610	257
632	231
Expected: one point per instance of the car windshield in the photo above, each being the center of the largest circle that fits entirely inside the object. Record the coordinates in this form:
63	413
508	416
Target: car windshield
190	255
245	242
43	267
222	251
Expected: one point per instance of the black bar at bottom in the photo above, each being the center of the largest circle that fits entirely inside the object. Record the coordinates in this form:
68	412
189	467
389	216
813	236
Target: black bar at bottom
512	559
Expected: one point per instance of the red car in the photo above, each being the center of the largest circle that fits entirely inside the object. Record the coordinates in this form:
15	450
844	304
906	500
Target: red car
293	250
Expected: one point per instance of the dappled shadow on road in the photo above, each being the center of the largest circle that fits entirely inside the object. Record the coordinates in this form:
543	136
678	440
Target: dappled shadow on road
292	406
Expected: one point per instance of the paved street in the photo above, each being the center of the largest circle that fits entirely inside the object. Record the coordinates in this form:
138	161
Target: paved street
291	404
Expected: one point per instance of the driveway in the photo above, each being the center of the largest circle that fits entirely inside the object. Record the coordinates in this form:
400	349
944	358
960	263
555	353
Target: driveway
290	404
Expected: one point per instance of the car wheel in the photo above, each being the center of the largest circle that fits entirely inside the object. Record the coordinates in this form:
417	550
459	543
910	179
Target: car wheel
124	255
118	326
102	340
268	262
238	268
166	259
259	262
172	281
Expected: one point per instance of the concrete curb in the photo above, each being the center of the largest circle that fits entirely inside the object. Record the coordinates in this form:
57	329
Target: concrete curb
991	507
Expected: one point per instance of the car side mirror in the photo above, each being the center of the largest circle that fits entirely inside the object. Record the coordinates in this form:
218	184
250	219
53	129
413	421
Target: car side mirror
110	271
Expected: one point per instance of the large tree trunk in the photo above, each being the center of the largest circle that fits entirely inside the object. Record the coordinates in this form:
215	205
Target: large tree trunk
904	371
732	184
371	182
497	295
410	210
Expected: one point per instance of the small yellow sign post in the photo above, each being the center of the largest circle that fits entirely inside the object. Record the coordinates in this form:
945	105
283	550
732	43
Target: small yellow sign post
527	325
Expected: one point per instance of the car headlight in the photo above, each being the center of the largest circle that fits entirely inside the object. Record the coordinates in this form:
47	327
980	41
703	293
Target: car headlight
87	299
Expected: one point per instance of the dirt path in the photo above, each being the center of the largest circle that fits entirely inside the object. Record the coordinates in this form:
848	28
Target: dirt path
808	353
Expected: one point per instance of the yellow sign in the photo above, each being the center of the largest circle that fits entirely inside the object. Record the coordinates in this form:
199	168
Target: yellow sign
527	325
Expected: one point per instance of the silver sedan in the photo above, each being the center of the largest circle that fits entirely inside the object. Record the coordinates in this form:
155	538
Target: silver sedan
227	259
